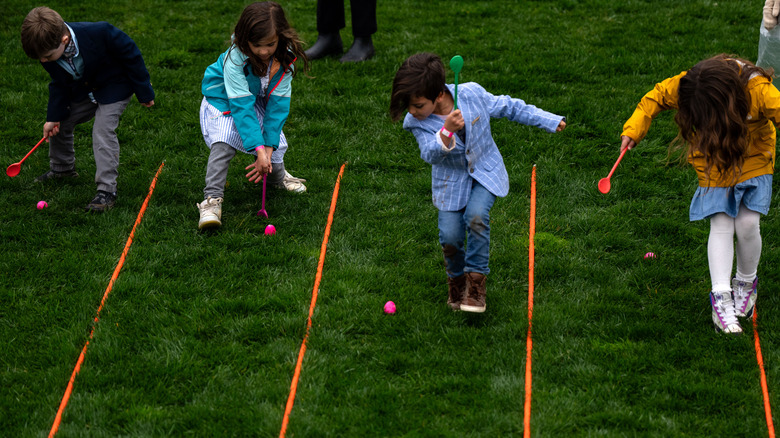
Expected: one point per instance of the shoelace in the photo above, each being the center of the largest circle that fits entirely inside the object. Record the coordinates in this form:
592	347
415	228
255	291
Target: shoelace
725	308
744	288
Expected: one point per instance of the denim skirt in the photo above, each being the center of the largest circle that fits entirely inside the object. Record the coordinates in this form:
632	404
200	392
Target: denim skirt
755	193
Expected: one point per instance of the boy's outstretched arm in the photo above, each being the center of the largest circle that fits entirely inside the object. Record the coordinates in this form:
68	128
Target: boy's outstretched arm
518	111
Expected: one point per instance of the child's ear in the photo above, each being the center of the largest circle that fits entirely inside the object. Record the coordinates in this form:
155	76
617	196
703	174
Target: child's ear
65	39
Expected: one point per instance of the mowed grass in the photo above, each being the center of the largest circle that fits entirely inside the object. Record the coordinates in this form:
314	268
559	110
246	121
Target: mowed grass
201	332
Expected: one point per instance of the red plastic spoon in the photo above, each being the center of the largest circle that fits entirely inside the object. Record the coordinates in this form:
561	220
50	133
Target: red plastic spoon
14	169
604	184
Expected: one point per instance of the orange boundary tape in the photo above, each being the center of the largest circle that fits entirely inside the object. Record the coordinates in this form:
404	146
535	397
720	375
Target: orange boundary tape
529	342
317	279
760	359
69	388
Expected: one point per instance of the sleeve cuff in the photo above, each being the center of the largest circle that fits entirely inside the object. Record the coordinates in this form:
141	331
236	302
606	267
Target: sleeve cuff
440	142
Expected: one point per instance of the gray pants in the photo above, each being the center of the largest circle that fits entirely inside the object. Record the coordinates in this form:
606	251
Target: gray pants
217	170
105	145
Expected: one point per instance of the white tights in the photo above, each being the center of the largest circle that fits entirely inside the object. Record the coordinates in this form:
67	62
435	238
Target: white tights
720	247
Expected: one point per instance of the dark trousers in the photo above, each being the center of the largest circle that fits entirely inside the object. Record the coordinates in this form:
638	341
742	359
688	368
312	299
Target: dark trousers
330	16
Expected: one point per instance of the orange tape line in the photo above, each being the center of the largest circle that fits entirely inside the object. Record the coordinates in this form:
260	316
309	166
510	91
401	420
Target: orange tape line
317	279
77	368
760	359
529	342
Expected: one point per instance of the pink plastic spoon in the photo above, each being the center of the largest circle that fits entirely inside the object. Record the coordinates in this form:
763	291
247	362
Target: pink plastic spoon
604	184
15	168
262	211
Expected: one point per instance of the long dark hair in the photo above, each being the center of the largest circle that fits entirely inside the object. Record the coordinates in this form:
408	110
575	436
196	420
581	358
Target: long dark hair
713	106
261	20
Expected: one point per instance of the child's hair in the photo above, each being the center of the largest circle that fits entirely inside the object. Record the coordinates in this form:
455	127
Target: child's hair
421	75
260	20
42	31
712	115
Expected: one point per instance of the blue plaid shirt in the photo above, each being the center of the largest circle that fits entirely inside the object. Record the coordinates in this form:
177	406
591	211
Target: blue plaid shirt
474	156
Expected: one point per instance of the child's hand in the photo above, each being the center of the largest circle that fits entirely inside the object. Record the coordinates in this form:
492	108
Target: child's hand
627	143
50	129
771	11
454	121
261	166
148	104
561	126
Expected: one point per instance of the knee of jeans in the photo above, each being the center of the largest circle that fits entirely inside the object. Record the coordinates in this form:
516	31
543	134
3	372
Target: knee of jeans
477	222
450	238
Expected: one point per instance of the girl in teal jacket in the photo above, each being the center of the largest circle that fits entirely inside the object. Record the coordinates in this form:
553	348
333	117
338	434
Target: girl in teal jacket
246	100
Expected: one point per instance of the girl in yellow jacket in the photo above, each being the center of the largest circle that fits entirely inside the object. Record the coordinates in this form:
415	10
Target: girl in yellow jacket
726	108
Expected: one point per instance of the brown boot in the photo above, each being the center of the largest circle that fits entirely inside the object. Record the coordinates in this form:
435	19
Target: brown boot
474	301
457	290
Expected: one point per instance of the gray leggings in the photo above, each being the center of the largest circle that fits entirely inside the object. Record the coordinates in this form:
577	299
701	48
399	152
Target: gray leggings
105	145
217	170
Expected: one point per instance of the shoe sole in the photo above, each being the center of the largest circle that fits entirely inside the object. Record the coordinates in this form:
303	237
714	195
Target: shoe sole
209	224
281	187
719	331
98	208
472	309
56	178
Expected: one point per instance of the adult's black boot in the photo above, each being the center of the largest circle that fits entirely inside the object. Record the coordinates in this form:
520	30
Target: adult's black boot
362	48
326	44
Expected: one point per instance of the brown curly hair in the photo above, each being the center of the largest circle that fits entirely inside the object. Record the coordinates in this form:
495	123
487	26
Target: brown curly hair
713	106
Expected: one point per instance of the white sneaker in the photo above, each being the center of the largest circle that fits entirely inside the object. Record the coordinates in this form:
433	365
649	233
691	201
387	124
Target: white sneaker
724	315
745	294
210	213
290	183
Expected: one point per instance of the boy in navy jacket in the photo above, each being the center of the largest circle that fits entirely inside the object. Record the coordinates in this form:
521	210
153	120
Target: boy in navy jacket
95	69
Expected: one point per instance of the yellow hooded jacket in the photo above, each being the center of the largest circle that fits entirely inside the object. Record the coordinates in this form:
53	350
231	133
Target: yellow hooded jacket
764	107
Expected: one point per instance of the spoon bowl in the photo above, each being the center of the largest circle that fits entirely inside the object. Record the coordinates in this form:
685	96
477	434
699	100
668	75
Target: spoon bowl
15	168
604	184
456	64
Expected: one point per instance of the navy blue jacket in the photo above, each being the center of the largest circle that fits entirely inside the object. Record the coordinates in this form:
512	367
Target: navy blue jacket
113	70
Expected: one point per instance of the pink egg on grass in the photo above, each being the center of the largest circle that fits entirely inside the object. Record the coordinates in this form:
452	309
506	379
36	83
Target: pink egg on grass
270	230
649	255
42	205
390	307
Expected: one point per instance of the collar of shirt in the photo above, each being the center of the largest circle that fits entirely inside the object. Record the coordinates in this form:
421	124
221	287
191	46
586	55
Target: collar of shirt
72	49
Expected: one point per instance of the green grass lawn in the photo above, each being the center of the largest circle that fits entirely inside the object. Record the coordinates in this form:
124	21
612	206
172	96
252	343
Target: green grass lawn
201	333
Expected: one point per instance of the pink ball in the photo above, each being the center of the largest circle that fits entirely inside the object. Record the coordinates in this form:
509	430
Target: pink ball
649	255
42	205
270	230
390	307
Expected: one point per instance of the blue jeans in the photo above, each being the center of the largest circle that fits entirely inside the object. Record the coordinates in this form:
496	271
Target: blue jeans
474	219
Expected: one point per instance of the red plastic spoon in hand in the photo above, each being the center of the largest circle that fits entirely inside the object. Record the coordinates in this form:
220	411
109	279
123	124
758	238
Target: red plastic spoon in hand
604	184
14	169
